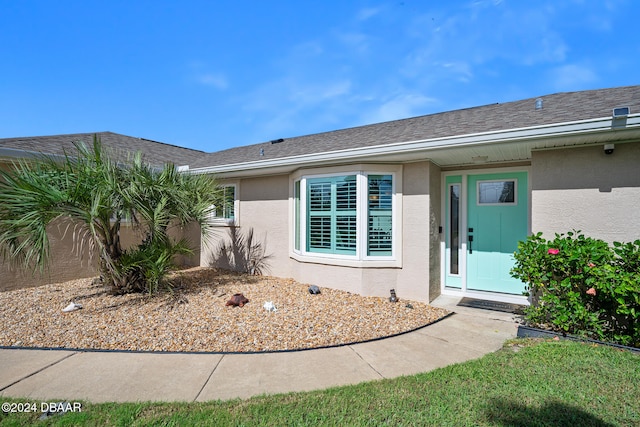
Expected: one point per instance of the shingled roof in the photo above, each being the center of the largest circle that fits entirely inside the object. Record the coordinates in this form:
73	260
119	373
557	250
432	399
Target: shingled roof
156	153
557	108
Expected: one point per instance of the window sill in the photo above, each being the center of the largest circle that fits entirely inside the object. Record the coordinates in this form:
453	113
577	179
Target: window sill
345	262
221	222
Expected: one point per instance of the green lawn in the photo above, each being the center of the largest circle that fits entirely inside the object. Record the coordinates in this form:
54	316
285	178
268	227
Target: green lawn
527	383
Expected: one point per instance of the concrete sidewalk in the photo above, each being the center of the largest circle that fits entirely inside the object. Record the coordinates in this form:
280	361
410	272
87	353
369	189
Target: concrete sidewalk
124	376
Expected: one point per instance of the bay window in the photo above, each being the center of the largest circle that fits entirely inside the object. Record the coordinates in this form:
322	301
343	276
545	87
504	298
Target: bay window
345	215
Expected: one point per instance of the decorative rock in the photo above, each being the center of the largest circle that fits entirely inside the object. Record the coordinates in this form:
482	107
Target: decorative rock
205	324
314	290
270	306
237	300
72	307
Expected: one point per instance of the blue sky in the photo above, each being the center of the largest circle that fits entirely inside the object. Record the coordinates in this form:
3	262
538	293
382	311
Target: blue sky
212	75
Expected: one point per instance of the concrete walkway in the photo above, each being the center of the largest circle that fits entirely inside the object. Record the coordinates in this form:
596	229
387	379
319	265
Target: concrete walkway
124	377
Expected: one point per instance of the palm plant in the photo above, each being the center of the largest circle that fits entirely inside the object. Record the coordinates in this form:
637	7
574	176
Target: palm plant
95	194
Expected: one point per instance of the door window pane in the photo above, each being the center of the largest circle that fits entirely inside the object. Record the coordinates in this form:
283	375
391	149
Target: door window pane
454	234
496	192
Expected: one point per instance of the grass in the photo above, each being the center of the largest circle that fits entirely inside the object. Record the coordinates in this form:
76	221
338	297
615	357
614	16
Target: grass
526	383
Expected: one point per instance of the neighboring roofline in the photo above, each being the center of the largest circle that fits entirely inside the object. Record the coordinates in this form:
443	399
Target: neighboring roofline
580	127
118	145
77	134
11	154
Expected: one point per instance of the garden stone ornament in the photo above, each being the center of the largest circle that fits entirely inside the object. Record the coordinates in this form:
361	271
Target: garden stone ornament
72	307
393	297
270	306
237	300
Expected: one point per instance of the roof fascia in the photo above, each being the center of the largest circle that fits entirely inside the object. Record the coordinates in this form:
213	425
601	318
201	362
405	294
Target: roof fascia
484	138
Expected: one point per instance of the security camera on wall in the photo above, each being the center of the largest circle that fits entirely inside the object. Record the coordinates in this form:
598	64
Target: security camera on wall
608	148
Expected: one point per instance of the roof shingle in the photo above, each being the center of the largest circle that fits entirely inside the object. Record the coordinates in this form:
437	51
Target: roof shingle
156	153
557	108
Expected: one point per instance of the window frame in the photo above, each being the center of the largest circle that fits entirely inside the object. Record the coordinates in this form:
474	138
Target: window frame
361	258
221	220
333	214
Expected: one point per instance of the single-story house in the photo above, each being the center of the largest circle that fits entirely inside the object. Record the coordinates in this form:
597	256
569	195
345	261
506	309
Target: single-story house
436	204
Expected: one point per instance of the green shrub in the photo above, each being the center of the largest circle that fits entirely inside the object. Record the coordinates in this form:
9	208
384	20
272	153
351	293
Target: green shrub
144	268
583	286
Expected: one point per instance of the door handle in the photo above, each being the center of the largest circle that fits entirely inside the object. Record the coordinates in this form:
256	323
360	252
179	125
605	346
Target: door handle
470	238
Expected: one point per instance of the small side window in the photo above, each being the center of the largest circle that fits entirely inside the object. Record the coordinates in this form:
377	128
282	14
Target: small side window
226	213
228	208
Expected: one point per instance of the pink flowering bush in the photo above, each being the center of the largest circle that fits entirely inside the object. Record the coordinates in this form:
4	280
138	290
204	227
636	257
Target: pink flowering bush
583	286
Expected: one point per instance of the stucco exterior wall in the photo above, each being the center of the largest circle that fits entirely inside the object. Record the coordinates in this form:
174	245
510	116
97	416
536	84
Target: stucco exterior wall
585	189
413	278
264	206
67	263
435	235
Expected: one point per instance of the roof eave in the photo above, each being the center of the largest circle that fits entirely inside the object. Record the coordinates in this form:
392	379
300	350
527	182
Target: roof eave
557	131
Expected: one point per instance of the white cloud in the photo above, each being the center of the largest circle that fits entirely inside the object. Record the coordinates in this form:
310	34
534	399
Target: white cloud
572	77
400	106
428	60
367	13
305	93
460	70
297	101
200	73
218	81
355	41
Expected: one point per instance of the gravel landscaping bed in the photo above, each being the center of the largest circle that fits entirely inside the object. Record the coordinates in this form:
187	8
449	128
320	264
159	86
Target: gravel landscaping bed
194	316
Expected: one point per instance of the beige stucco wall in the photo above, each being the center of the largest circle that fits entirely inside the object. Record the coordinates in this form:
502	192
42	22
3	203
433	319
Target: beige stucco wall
435	236
585	189
68	263
413	278
264	205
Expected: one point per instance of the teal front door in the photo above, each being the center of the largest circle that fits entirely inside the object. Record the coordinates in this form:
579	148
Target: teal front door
486	217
